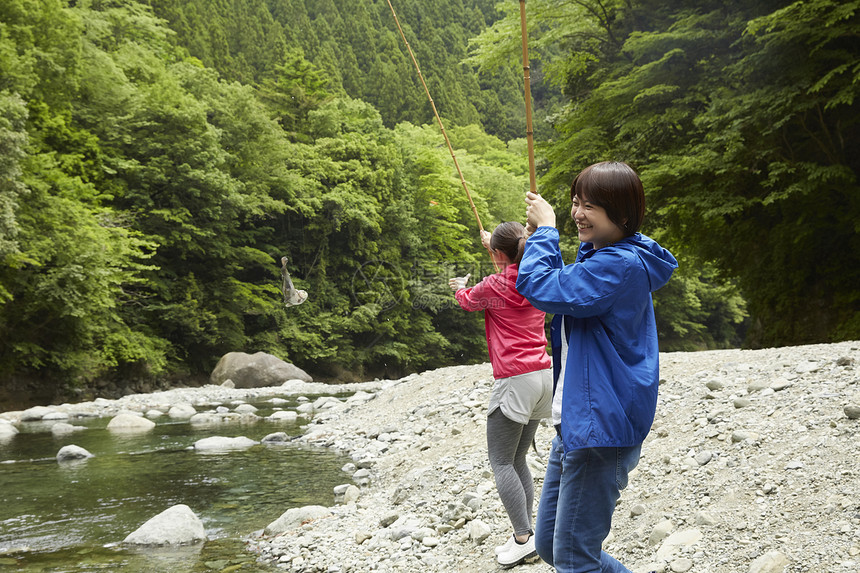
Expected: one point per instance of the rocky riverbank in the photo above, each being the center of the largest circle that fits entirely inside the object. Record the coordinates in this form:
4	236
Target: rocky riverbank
751	466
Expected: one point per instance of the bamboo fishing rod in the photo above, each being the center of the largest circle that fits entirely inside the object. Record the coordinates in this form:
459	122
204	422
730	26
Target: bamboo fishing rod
528	97
438	119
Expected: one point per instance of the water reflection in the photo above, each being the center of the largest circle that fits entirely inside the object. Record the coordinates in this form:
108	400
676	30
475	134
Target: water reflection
73	516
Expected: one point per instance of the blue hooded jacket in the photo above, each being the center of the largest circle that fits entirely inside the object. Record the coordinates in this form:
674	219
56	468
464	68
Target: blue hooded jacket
603	304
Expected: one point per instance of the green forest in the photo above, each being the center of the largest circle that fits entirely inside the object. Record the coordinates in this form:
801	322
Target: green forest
158	159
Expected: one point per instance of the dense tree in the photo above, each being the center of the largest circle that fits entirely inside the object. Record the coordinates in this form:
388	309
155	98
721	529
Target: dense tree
742	120
358	47
66	280
186	189
13	140
297	88
782	140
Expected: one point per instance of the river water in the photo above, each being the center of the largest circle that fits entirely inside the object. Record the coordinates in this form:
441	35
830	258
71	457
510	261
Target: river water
72	517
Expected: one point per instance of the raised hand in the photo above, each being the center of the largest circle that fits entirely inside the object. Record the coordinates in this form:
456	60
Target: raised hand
457	283
539	213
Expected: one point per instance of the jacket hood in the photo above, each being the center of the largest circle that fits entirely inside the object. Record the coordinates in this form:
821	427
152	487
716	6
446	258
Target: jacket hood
659	263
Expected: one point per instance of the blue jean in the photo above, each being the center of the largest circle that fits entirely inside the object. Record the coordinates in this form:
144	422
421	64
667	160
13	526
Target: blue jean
576	505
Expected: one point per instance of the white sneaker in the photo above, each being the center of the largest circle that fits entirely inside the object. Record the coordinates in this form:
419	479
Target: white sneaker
506	546
518	553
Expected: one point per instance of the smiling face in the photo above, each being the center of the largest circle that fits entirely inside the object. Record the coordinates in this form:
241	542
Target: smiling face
593	224
608	203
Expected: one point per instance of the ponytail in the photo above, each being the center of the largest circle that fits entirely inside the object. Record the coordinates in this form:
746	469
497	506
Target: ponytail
509	238
521	247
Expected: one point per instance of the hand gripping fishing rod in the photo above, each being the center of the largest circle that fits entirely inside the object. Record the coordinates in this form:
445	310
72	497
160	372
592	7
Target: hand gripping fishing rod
438	119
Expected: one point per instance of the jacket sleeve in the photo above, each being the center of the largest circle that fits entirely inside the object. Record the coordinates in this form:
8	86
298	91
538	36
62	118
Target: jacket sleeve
584	288
480	296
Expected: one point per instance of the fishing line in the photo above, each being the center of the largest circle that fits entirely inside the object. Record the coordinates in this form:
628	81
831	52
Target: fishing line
436	113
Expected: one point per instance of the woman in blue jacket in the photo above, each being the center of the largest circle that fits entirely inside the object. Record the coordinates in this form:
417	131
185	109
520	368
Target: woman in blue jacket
605	357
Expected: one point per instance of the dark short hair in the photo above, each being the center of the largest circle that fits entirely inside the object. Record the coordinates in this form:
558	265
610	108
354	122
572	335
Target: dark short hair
616	187
509	238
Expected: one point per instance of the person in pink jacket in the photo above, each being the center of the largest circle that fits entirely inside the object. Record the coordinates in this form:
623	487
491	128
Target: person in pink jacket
522	393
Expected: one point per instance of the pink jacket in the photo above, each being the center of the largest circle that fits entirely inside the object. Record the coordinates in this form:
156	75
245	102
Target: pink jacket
516	338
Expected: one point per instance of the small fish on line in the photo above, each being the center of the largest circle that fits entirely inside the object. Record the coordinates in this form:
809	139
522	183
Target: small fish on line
292	296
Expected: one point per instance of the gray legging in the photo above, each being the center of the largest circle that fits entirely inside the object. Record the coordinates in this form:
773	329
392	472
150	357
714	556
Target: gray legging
507	444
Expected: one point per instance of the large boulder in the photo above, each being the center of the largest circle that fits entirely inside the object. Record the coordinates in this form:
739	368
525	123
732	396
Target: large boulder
256	370
293	518
58	429
72	453
771	562
176	525
181	411
223	444
130	423
35	413
7	430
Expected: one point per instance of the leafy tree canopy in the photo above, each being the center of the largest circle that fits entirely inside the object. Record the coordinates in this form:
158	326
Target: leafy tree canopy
146	202
742	120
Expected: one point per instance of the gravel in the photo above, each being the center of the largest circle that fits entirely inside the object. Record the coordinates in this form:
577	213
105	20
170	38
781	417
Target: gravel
751	466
